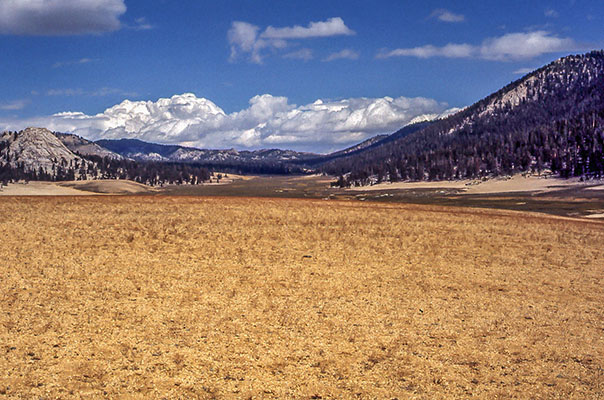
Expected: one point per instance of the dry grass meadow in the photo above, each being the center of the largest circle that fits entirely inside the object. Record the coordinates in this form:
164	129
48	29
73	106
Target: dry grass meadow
235	298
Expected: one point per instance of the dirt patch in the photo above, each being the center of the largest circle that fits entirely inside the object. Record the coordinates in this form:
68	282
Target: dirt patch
109	186
40	189
517	183
76	188
596	214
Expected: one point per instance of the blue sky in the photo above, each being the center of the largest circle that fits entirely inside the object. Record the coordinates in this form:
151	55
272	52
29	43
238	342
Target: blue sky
252	71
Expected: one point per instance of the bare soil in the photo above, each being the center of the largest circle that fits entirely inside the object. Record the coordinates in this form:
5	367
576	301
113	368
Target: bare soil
39	189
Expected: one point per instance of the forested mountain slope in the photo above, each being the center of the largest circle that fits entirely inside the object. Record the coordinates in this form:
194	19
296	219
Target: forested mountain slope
552	118
363	147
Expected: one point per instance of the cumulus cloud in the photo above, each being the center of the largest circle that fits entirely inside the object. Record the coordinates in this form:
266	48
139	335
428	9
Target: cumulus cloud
60	17
345	54
509	47
268	122
447	16
246	39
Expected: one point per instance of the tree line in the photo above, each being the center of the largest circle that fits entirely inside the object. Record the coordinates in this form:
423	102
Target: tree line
96	167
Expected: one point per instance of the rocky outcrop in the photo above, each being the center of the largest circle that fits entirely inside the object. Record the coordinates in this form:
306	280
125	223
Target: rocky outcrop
35	148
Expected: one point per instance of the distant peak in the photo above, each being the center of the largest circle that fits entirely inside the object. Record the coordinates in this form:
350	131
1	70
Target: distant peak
34	128
36	131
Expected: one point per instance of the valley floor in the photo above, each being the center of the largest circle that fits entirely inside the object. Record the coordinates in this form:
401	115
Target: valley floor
566	197
233	297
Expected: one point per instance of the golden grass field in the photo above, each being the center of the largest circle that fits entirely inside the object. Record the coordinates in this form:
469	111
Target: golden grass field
189	297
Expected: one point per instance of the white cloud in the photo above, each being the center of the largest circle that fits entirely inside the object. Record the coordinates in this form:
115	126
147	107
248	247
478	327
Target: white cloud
302	54
524	46
331	27
447	16
247	40
269	121
60	17
345	54
512	46
14	105
243	38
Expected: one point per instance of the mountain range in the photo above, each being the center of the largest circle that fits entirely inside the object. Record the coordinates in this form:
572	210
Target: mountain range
551	119
143	151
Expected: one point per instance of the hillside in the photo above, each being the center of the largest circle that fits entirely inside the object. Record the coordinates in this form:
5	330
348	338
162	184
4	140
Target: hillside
363	147
35	153
552	118
38	154
84	147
